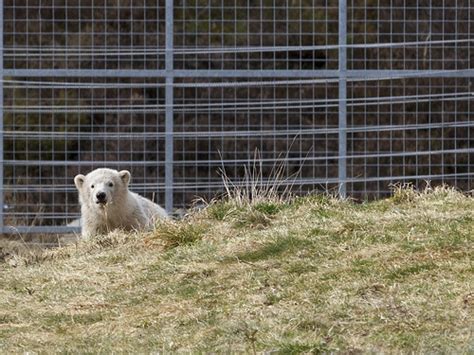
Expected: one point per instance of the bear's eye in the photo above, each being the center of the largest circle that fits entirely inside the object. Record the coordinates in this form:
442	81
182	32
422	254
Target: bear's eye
92	186
111	184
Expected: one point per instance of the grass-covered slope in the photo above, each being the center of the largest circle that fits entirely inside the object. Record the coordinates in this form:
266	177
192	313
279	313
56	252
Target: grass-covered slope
316	274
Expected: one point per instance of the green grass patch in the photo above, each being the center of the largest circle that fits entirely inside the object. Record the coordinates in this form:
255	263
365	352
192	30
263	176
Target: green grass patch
294	348
186	232
221	210
273	249
259	215
364	267
414	269
269	208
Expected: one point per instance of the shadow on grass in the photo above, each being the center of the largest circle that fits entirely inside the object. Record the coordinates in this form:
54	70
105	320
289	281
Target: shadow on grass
279	246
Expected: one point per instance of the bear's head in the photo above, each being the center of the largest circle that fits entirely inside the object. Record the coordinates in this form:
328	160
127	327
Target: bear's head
102	187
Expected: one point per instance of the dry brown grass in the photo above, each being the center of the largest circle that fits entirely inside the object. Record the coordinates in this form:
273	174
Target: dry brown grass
313	274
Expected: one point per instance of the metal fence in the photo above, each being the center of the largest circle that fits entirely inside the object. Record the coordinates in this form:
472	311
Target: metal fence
349	95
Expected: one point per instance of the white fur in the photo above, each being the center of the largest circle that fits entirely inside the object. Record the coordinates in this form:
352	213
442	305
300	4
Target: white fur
123	209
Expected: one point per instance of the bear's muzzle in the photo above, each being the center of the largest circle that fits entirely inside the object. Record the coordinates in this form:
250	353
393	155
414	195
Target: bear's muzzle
101	198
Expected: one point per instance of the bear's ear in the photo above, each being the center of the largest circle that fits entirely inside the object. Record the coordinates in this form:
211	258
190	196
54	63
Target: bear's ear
125	176
79	181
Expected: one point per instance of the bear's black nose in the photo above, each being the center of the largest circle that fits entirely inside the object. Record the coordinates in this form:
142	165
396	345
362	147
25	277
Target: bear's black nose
101	196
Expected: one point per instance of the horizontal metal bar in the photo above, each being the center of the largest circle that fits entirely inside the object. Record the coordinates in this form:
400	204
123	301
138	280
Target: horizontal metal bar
81	163
39	229
236	161
321	181
153	136
259	82
218	184
158	73
17	51
101	73
394	74
408	177
233	105
236	73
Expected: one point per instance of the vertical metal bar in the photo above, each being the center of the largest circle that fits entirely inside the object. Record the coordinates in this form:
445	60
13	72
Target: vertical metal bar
342	167
169	146
2	197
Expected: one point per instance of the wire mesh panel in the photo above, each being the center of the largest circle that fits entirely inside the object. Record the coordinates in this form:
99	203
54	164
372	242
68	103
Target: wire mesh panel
410	127
409	130
53	133
84	34
400	34
181	92
256	35
76	121
269	125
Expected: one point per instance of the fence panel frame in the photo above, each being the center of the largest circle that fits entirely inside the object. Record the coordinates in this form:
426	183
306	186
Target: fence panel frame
169	115
342	151
2	76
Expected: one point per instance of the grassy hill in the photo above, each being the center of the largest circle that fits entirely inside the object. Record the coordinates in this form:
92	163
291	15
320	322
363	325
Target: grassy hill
312	275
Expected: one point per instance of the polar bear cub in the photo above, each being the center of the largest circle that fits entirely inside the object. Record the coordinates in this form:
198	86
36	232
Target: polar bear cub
108	204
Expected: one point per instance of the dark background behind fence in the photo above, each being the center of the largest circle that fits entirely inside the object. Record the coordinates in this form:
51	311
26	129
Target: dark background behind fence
173	96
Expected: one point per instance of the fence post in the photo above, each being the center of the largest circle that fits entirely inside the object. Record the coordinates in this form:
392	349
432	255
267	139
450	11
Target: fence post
169	146
342	166
2	194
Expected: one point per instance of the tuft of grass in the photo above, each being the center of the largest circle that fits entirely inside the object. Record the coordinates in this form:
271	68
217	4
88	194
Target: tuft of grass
255	200
16	253
257	214
404	193
221	210
252	218
255	187
268	208
413	269
322	276
173	233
